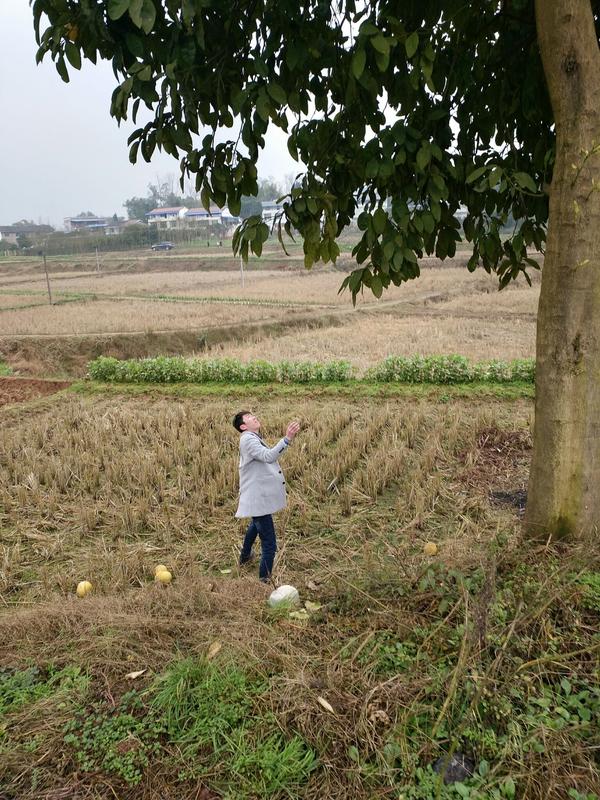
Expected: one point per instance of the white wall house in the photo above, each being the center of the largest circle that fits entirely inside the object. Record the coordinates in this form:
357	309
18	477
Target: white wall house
165	218
8	234
200	216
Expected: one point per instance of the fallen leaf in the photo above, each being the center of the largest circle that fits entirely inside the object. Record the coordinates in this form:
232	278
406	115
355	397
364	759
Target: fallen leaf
301	615
224	571
311	607
136	674
311	585
327	706
213	649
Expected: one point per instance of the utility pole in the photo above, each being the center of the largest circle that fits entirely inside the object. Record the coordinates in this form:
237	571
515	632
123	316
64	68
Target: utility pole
242	270
97	261
47	278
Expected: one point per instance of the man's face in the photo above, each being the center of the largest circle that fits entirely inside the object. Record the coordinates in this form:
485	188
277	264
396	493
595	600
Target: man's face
251	423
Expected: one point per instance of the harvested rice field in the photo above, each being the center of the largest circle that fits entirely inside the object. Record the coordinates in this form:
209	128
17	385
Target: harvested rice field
433	652
281	311
197	688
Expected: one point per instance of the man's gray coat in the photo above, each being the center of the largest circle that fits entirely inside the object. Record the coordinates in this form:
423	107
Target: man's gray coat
262	485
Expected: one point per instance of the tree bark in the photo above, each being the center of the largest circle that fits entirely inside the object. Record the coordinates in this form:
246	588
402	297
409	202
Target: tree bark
564	483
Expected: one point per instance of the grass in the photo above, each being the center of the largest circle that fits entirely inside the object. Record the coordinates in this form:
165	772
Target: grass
4	369
348	389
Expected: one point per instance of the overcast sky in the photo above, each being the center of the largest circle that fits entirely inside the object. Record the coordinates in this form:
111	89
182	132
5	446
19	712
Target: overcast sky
60	150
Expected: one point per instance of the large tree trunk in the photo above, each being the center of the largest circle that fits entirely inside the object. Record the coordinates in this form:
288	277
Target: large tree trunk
564	484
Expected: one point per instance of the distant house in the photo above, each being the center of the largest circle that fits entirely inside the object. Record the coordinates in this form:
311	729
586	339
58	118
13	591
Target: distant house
9	233
115	227
165	218
270	209
86	224
200	216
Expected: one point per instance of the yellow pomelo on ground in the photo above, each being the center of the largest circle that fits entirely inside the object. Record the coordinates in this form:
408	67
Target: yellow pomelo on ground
83	588
164	576
160	568
430	548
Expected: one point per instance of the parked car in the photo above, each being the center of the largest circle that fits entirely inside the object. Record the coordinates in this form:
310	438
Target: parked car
163	246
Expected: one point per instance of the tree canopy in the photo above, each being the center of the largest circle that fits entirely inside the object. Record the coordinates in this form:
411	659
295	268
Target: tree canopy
406	110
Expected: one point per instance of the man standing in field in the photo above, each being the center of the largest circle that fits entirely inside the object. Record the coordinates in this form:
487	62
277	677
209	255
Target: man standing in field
262	488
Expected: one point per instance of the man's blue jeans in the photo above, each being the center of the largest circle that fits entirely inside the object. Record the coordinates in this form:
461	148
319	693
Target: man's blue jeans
263	528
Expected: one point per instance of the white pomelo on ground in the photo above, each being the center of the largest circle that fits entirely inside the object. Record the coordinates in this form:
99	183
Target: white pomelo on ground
160	568
284	595
164	576
83	588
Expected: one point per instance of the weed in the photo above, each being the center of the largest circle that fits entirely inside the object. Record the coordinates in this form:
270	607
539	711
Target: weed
590	585
21	687
209	713
117	740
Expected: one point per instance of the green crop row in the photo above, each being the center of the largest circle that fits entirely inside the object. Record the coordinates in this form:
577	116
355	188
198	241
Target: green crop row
450	369
398	369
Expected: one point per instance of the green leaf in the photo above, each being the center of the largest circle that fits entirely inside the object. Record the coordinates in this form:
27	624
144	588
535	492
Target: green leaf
379	221
423	156
73	54
411	44
292	150
148	16
363	221
135	12
382	60
133	151
380	43
62	70
143	14
525	181
494	177
376	286
263	107
508	788
116	8
477	173
359	59
353	753
566	686
277	93
205	197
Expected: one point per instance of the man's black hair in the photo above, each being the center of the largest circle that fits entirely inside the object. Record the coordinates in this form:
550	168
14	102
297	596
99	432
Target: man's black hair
238	420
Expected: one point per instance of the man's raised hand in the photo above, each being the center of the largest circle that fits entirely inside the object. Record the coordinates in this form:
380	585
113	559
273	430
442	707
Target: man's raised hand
292	430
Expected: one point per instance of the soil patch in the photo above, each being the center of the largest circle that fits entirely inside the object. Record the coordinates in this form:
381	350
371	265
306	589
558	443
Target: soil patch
19	390
499	466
